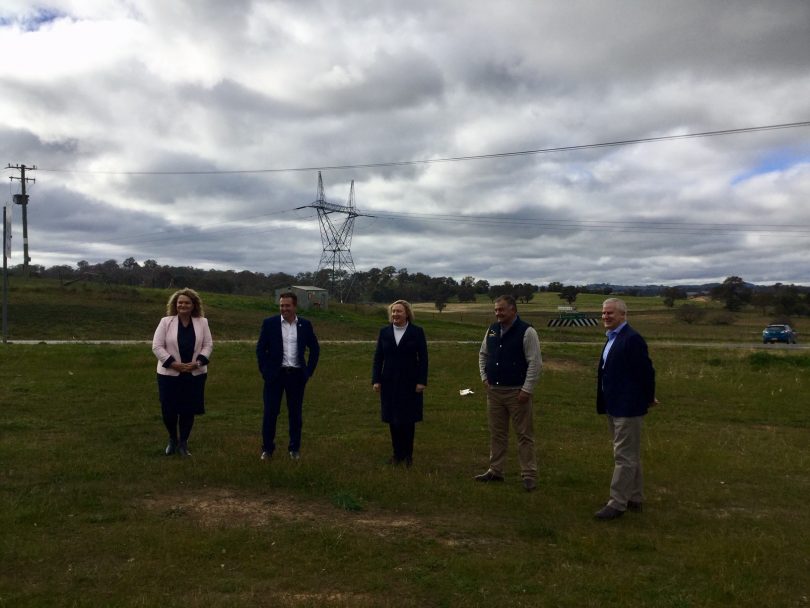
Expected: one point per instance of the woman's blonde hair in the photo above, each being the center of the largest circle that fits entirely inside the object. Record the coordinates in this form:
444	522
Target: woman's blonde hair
406	306
171	305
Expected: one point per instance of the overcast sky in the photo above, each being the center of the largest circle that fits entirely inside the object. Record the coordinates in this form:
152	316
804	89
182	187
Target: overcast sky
119	103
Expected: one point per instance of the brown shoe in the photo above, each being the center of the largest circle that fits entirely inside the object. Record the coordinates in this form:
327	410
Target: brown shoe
488	476
634	506
607	513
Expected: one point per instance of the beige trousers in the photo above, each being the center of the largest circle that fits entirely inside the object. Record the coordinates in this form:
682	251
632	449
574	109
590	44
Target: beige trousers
627	482
503	406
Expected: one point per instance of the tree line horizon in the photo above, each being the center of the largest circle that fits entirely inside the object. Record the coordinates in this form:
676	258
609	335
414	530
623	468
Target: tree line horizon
389	283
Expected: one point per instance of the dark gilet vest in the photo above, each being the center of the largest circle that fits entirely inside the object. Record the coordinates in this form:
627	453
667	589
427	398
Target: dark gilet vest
506	363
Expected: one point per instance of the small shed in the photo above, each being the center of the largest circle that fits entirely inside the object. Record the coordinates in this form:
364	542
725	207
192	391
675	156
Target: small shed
308	296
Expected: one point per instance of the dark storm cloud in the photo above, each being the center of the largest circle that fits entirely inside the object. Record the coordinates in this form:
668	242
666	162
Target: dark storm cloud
158	87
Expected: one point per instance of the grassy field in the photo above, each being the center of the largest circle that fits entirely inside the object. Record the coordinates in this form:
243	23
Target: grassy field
45	310
92	513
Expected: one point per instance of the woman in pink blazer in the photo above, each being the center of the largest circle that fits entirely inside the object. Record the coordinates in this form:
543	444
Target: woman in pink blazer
182	345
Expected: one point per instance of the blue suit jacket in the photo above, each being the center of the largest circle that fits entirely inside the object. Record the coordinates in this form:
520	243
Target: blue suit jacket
270	348
626	380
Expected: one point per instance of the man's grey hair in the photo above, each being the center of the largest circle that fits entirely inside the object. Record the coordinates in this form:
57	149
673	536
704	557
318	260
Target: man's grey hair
618	303
508	299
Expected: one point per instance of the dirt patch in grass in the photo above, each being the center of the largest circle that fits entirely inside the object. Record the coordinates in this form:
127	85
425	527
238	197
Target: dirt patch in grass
219	507
563	365
281	599
223	508
329	598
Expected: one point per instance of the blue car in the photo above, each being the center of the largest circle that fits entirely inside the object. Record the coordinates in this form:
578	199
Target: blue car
778	333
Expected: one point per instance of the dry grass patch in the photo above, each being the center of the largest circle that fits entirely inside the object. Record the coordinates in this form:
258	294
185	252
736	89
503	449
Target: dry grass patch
565	365
224	508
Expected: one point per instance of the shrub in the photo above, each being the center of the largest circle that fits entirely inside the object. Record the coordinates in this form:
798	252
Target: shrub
690	313
760	360
723	318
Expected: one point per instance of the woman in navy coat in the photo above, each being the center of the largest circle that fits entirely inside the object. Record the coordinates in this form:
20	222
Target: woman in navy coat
399	375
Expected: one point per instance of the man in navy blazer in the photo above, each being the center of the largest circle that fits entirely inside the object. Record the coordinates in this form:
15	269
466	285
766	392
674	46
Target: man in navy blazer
625	390
280	352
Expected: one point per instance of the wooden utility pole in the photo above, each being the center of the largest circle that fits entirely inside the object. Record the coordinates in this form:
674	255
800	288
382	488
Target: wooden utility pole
6	252
22	200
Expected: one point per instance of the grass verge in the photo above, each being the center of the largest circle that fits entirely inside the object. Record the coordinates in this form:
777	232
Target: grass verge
93	514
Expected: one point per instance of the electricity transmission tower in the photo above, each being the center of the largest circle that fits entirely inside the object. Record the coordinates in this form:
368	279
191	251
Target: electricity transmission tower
337	226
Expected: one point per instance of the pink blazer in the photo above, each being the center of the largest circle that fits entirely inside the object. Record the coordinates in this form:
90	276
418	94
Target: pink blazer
164	344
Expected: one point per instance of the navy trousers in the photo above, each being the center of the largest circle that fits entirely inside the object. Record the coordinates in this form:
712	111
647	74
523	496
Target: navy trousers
290	381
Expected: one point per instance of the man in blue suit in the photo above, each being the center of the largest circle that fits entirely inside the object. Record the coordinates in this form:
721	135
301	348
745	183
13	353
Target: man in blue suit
280	352
625	391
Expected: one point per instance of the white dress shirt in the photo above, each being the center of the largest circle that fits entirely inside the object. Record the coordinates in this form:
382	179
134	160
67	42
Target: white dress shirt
289	339
611	336
399	332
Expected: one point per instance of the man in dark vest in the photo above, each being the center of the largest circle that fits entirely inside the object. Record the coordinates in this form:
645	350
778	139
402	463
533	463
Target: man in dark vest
510	364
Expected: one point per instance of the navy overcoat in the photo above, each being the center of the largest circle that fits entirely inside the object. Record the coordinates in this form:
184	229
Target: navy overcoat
398	369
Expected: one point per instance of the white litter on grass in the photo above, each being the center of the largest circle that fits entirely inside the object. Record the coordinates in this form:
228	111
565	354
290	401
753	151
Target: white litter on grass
466	391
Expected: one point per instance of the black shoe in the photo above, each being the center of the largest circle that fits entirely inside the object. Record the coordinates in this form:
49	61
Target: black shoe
607	512
488	476
394	461
409	461
171	448
529	484
634	506
182	448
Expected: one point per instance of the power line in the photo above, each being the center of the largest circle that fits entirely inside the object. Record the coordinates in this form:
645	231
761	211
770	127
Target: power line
698	229
405	163
601	224
691	228
206	229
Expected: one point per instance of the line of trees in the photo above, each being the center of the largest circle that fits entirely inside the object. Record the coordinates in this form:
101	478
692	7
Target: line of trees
783	300
390	283
375	285
153	274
